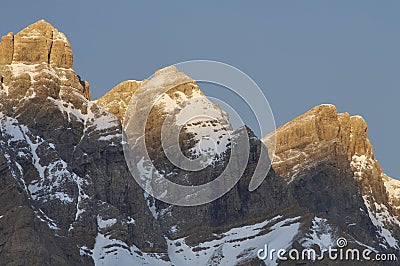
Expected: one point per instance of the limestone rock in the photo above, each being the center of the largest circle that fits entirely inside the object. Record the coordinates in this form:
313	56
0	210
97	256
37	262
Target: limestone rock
322	138
41	42
117	99
37	61
86	90
61	52
6	48
303	137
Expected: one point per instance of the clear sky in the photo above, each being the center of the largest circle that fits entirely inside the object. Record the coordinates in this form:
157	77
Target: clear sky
301	53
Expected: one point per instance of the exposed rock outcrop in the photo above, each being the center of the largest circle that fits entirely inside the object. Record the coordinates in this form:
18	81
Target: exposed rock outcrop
322	137
7	48
117	99
37	43
58	151
311	136
33	58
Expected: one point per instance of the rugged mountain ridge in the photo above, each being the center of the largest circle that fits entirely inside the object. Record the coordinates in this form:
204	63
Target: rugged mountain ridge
68	197
49	143
116	101
314	137
37	43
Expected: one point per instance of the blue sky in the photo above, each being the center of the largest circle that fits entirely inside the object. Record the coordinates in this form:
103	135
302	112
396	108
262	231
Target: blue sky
301	53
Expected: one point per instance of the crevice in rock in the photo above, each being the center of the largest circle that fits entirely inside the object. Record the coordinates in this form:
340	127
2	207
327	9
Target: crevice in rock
51	46
12	53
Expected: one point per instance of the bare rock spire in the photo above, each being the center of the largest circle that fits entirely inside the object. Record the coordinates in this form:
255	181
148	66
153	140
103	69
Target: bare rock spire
37	62
39	42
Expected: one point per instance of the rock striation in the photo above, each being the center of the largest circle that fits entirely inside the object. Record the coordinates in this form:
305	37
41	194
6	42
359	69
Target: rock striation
314	134
37	43
321	137
117	99
32	57
7	49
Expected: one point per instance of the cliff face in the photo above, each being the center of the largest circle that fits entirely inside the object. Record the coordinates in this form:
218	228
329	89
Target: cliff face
75	201
29	59
321	137
117	99
316	134
37	43
68	197
63	157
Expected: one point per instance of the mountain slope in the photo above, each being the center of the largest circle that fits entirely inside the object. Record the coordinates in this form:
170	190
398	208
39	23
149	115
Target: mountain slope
68	197
60	151
323	137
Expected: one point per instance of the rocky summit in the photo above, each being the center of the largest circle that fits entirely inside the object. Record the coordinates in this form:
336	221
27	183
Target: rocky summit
68	198
37	43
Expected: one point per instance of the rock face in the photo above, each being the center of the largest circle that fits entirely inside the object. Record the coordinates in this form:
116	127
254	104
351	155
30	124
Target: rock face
68	197
6	49
117	99
53	153
313	135
37	43
32	55
322	137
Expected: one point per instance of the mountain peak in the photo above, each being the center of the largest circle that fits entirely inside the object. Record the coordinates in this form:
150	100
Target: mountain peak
39	42
322	137
321	125
166	70
41	26
117	99
36	63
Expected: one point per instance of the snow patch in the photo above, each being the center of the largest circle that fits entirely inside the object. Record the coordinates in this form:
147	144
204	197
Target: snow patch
381	217
102	224
130	220
206	121
321	234
151	204
52	176
110	137
237	245
174	229
110	252
95	121
393	189
18	69
359	164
